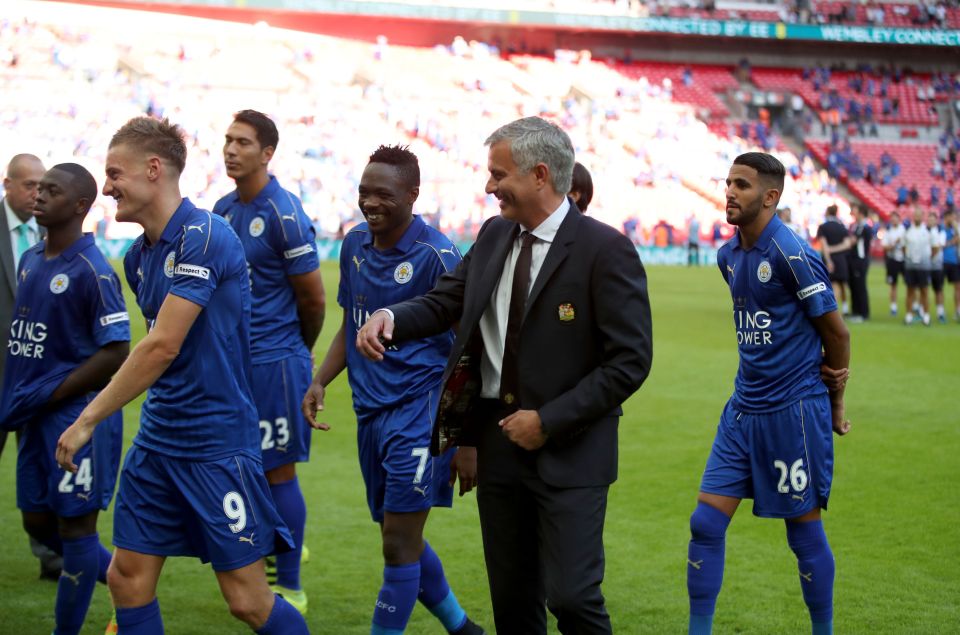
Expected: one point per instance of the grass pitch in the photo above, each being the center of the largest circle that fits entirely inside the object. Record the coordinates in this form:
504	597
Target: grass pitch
893	523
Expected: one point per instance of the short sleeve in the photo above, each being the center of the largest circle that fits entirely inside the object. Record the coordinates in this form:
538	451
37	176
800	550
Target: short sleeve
200	262
721	264
131	261
803	273
297	238
343	293
111	322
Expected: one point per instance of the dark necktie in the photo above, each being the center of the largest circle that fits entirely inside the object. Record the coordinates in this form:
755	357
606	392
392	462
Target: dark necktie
509	381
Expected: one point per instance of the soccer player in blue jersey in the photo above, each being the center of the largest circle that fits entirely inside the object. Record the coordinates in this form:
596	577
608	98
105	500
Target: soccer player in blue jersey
286	315
774	443
391	257
70	333
192	484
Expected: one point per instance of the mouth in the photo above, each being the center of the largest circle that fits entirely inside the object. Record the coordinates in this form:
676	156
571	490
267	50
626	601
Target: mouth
732	206
374	218
231	165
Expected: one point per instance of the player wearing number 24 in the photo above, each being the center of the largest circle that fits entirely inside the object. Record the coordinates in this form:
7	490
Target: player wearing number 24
192	484
774	443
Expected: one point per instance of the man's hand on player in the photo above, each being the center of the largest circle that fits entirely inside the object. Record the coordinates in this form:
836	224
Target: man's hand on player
523	428
840	425
70	442
834	379
312	404
372	336
464	467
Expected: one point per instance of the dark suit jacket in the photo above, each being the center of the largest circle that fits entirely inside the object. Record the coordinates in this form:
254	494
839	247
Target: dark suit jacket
8	284
585	345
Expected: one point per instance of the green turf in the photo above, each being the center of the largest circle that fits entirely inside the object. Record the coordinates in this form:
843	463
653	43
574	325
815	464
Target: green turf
893	519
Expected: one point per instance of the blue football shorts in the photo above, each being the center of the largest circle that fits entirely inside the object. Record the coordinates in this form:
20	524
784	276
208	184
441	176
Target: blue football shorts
398	470
220	511
783	460
278	390
42	486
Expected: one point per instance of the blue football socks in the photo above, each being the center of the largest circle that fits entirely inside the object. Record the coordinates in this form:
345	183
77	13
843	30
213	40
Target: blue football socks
815	561
435	593
705	555
142	620
398	595
288	499
283	620
81	563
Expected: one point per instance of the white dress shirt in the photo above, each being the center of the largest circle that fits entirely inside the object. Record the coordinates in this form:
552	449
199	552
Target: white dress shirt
13	223
493	322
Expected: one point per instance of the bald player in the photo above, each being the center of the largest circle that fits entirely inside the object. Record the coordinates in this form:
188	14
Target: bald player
69	333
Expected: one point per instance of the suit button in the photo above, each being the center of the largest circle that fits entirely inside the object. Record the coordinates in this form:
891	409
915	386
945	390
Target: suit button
508	398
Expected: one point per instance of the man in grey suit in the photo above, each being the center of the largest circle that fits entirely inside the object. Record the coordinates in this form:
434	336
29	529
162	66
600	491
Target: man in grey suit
19	232
553	334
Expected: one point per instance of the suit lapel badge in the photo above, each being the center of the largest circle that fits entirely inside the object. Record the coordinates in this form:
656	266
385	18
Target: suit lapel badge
565	312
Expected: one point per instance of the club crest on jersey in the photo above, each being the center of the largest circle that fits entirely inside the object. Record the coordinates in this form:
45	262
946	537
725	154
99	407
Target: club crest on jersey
59	283
168	264
257	226
403	273
565	312
764	271
24	274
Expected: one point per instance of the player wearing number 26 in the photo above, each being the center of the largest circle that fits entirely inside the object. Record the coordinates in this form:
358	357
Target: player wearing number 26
774	443
193	483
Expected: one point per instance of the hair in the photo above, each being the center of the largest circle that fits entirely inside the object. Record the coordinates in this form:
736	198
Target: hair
832	210
404	161
83	185
154	136
267	135
534	140
582	183
767	166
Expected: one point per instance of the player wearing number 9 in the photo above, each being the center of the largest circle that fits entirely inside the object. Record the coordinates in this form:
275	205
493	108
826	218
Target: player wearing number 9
774	442
70	332
192	484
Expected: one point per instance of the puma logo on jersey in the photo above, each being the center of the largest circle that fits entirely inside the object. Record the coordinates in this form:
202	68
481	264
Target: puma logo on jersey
246	539
797	497
24	274
281	448
358	263
807	576
73	577
106	277
290	217
199	228
730	269
799	257
83	496
420	490
448	251
695	565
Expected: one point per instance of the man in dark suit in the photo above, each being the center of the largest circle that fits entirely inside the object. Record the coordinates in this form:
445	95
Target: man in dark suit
554	334
19	232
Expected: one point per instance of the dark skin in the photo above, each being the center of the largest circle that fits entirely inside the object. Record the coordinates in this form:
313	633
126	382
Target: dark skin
61	210
246	161
751	202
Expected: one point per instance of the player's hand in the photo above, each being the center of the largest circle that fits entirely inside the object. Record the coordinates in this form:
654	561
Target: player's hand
70	442
464	467
312	404
841	425
372	336
523	428
829	262
834	379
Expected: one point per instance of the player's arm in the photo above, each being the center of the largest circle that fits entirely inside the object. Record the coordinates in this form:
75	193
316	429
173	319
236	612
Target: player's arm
836	355
146	363
311	304
333	364
94	373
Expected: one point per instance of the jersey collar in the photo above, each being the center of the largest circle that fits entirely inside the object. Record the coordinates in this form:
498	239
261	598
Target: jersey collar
765	236
177	221
78	245
409	235
269	190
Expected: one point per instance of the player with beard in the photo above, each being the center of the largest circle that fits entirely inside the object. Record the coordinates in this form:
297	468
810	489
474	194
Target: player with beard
774	442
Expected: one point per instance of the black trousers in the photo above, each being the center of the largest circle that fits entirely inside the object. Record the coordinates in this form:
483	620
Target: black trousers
859	298
543	545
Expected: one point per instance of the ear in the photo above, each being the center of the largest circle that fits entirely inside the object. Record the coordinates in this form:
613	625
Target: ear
542	174
154	168
770	198
82	206
413	194
6	183
266	154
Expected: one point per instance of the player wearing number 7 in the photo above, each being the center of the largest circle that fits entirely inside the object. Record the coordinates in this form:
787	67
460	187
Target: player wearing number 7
70	332
774	442
392	257
192	484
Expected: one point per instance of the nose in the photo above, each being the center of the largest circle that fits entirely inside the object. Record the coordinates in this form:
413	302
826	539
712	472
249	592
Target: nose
491	186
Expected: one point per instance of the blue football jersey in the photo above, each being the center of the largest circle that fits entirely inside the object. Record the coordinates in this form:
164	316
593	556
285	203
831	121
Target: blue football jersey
201	407
66	309
279	241
950	251
372	279
776	286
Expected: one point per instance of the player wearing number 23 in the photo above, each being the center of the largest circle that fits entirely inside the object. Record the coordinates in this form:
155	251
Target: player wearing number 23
774	443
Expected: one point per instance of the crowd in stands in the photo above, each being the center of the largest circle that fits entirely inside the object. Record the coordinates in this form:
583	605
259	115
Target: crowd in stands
631	131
